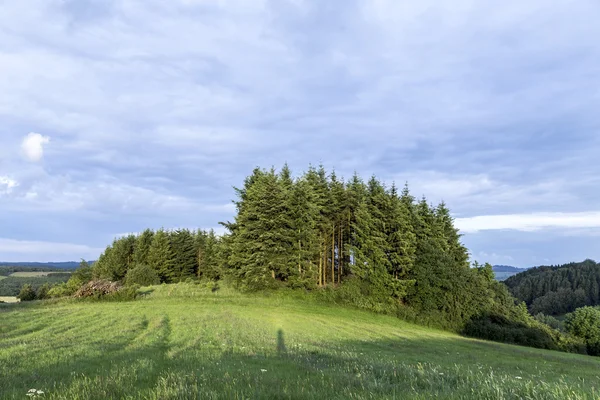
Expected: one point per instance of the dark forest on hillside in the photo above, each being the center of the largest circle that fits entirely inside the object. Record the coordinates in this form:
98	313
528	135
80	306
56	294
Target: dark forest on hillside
556	290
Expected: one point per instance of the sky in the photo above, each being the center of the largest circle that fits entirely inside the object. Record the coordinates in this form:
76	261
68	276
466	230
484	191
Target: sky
118	115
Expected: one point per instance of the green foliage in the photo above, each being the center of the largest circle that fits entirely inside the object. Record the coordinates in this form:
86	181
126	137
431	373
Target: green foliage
42	292
550	321
161	257
556	290
143	275
11	286
185	258
585	323
27	293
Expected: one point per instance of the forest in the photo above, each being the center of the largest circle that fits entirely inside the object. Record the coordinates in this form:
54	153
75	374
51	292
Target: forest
557	290
354	242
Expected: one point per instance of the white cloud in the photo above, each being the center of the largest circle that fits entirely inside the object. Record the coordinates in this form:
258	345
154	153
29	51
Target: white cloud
32	146
530	222
7	184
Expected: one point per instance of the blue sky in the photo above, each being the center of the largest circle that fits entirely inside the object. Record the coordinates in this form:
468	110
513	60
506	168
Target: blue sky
121	115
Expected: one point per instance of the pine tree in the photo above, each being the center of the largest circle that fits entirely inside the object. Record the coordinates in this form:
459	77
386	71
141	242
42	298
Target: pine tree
142	247
161	257
304	216
208	263
183	245
263	238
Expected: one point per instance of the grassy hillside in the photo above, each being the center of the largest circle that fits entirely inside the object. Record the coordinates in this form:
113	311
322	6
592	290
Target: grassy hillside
182	341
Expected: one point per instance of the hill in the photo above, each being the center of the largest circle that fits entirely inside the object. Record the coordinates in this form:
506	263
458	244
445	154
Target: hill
502	272
556	290
183	341
42	266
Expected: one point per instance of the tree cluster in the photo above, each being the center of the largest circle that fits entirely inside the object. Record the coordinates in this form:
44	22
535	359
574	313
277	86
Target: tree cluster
318	230
160	256
356	242
556	290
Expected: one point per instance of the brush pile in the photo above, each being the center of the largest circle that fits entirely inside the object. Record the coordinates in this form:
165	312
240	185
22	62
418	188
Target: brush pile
98	288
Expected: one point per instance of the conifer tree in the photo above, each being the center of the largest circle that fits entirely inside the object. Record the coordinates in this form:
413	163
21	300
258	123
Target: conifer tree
183	245
263	237
161	257
142	247
208	263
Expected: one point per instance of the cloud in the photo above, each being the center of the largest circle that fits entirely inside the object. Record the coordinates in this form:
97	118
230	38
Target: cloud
529	222
492	112
18	250
32	146
7	184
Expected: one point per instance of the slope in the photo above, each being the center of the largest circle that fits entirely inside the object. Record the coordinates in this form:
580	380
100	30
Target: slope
183	341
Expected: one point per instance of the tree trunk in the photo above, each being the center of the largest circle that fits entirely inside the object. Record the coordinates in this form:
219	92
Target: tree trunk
333	255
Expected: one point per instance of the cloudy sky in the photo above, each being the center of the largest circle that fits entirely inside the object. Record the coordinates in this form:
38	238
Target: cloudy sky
117	115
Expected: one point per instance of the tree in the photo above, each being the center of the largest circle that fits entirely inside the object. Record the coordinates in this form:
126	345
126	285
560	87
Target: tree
585	323
142	247
263	236
183	245
143	275
207	245
27	293
161	257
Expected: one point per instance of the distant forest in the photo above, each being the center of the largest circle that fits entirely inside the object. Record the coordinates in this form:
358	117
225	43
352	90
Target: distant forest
556	290
354	242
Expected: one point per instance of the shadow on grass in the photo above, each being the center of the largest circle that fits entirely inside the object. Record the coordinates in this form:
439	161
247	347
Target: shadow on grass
140	365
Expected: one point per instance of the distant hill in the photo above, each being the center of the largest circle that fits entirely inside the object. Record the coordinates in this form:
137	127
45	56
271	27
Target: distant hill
503	272
556	290
507	268
53	265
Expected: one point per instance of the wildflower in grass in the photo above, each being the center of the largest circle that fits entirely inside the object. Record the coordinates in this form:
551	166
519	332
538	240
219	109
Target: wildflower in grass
263	370
34	393
518	377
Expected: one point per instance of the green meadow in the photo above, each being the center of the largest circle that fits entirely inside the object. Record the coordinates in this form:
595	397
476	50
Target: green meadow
185	342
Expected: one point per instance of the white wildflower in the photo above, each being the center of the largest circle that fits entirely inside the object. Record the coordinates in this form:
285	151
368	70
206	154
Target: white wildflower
263	370
518	377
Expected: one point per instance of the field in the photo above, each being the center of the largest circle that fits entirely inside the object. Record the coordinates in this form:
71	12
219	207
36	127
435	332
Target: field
3	277
9	299
183	342
27	274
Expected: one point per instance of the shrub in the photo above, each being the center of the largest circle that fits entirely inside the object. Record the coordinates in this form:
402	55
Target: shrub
127	293
42	292
142	275
27	293
585	323
60	290
550	321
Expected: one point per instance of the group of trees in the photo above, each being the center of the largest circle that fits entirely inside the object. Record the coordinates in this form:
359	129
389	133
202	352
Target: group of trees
318	230
557	290
367	244
161	256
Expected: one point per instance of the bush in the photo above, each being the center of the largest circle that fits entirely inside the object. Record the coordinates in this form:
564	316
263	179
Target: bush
42	292
60	290
501	328
127	293
142	275
27	293
585	323
550	321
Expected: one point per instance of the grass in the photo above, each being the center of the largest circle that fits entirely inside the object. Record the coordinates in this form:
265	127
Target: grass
35	274
184	342
3	277
9	299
